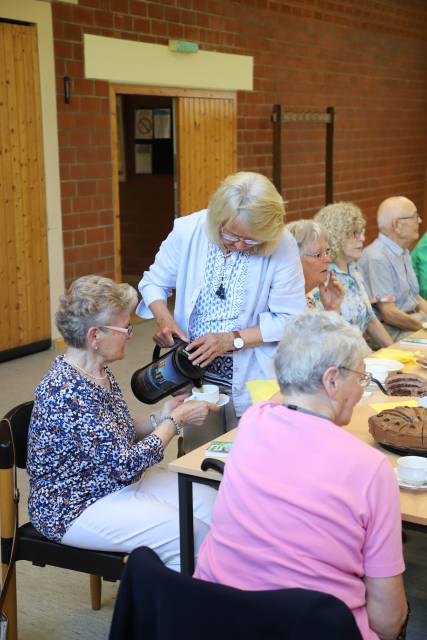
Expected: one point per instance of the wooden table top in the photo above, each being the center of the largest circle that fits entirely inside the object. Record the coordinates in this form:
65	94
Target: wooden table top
413	503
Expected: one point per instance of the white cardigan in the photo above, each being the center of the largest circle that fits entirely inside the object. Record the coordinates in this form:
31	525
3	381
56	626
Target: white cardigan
274	293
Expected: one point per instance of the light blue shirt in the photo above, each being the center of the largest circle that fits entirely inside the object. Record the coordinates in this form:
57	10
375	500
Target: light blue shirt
355	307
274	292
388	274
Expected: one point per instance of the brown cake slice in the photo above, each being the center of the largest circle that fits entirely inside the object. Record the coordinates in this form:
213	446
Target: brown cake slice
402	427
405	384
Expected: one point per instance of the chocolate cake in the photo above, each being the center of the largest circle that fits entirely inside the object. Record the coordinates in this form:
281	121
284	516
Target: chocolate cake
405	384
402	427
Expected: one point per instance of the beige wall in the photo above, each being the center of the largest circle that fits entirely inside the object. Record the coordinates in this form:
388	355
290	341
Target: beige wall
155	65
39	13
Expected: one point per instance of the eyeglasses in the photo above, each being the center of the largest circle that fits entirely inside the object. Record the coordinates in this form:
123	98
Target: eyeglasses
365	378
415	216
320	255
357	234
230	237
127	330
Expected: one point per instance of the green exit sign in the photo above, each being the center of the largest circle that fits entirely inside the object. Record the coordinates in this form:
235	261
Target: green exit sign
183	46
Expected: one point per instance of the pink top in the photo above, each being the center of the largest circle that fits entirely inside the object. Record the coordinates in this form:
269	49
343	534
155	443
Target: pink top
303	503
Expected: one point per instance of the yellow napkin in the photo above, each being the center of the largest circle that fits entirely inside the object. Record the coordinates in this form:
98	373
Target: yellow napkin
262	389
382	406
396	354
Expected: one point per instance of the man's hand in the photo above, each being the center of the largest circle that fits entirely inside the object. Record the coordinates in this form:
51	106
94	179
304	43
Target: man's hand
206	348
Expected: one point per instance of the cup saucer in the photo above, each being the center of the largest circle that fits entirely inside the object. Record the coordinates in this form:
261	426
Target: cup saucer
408	485
223	400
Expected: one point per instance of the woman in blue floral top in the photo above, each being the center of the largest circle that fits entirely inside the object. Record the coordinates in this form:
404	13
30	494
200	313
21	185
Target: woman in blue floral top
92	482
346	229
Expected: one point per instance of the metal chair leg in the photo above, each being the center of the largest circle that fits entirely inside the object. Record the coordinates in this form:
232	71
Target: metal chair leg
95	592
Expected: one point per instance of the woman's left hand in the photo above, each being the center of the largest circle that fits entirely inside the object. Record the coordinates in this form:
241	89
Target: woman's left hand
332	294
206	348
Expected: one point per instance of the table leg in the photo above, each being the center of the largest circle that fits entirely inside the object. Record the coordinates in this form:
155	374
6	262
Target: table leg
186	526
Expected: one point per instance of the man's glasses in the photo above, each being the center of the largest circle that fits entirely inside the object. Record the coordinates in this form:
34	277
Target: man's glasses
230	237
320	255
415	216
365	378
127	330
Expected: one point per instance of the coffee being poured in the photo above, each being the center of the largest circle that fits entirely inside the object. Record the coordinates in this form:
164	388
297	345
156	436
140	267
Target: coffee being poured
166	374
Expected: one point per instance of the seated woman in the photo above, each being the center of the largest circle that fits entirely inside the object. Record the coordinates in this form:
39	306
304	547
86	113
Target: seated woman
90	465
312	241
345	225
304	503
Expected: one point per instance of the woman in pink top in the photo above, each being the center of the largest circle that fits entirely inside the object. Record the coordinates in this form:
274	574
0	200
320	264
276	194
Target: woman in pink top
304	503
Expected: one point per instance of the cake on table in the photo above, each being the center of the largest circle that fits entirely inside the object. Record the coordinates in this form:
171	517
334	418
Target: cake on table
405	384
402	427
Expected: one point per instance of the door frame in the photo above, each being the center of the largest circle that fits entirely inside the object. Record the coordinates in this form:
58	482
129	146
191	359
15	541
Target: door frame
170	92
40	14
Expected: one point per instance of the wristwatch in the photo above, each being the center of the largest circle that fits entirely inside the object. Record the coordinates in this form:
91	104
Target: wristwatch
238	341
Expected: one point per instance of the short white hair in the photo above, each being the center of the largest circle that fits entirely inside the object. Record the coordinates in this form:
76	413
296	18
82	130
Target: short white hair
312	342
305	233
391	209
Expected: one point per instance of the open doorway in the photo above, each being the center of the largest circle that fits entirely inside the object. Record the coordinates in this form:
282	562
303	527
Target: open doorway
146	179
183	175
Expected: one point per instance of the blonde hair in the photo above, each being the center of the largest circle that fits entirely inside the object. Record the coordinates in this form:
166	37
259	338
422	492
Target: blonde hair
92	301
254	200
340	219
306	232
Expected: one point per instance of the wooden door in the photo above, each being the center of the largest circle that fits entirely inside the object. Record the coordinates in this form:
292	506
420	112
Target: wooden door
206	148
24	282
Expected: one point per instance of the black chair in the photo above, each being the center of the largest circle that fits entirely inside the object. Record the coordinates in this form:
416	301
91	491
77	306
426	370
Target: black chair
31	545
156	603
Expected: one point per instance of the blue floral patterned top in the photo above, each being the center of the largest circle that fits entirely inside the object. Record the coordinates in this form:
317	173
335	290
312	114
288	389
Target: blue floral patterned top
213	314
81	447
355	308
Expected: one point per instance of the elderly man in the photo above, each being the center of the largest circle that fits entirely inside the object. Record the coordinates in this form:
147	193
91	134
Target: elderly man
387	268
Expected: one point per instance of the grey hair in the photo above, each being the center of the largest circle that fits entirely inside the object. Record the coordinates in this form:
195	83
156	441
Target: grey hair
92	301
312	342
391	209
306	232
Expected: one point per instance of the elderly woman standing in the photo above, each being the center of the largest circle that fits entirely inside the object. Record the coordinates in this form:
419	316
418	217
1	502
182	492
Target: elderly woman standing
312	241
91	479
238	279
346	228
304	503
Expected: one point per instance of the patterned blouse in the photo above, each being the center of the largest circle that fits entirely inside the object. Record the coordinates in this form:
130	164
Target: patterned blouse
82	446
213	314
355	308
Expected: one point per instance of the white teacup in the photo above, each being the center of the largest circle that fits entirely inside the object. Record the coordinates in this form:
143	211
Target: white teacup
412	470
208	392
379	373
422	402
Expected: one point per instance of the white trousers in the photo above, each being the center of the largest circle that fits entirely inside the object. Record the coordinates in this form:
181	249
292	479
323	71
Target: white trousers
145	513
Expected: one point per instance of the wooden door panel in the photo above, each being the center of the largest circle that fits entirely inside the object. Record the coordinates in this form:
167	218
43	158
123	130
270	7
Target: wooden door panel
206	148
24	290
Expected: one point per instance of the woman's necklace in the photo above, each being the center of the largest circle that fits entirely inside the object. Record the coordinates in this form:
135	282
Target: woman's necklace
73	364
220	292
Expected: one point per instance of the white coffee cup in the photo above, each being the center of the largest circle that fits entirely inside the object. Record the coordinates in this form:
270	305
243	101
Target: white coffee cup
208	392
412	470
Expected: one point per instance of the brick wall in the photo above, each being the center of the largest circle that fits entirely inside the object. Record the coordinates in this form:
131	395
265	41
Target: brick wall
366	58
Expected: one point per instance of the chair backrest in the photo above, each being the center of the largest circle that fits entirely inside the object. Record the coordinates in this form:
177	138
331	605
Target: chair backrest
19	418
156	603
